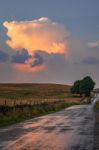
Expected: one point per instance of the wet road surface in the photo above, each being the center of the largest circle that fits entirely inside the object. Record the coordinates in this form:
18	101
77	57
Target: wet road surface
69	129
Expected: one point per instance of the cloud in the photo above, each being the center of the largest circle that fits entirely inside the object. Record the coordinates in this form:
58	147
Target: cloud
3	56
38	60
39	34
27	68
90	60
20	56
21	60
93	44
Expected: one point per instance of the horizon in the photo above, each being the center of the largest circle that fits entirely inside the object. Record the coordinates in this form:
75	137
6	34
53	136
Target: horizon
42	83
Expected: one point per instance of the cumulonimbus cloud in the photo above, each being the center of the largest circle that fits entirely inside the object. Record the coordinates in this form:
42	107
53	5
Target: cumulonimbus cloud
40	34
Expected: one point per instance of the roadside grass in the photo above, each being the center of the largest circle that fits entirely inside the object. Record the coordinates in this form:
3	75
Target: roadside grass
97	105
35	111
86	100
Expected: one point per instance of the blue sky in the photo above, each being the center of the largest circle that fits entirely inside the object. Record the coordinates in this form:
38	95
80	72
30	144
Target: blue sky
81	20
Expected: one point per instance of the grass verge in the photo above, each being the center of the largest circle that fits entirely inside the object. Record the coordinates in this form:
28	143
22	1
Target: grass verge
97	105
35	111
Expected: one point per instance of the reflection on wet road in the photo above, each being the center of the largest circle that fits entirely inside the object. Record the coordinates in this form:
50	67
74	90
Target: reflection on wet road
69	129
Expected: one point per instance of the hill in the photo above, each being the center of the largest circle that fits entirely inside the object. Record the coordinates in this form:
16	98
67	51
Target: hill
34	90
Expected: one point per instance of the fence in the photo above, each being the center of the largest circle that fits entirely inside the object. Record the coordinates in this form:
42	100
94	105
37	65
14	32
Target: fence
8	105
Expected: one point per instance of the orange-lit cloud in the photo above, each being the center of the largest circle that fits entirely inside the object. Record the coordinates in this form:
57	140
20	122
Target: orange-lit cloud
37	35
40	34
26	67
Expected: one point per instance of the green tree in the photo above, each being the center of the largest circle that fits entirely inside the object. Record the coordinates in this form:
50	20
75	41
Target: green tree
84	86
87	85
76	87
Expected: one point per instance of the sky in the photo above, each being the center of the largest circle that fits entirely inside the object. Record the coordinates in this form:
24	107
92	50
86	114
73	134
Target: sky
49	41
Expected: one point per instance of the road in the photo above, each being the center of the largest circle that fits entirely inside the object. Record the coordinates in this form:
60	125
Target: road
69	129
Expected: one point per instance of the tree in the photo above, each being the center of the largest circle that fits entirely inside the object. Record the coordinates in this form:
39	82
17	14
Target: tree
87	85
76	87
84	86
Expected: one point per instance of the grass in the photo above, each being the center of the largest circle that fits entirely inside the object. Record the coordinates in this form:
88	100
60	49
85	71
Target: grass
43	99
21	115
97	105
17	91
13	94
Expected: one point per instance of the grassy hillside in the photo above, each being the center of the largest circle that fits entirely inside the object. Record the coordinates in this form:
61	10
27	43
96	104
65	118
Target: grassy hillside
11	91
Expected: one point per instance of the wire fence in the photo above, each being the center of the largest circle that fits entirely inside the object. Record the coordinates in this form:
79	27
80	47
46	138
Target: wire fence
8	105
11	105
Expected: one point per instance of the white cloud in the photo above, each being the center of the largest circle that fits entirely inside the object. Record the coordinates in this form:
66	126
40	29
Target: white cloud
93	44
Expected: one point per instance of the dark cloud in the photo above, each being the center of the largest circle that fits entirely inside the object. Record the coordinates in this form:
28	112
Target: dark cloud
90	60
20	56
3	56
37	60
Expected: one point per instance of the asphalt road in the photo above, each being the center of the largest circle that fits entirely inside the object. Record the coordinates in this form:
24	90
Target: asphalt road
69	129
